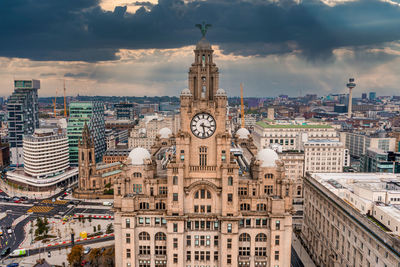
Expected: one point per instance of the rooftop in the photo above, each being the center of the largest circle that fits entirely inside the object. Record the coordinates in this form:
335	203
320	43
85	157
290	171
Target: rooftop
301	126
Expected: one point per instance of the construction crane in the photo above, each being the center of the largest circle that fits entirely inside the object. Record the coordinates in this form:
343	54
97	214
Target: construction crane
55	104
241	104
65	102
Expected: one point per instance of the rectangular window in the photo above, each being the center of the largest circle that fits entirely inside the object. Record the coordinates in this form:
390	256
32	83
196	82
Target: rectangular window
229	259
229	243
277	239
188	255
128	238
230	197
175	258
229	228
276	255
127	223
175	226
216	241
175	197
277	225
175	242
188	240
128	253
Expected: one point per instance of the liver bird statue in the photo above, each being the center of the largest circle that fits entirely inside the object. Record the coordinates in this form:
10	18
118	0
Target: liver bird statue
203	28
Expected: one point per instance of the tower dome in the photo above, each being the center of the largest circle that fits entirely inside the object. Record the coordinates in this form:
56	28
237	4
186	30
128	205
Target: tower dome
203	44
268	157
242	133
186	92
220	92
165	132
138	155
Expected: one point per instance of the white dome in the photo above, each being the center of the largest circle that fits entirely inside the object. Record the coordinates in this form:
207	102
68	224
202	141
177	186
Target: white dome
242	133
186	92
267	157
165	132
220	92
138	155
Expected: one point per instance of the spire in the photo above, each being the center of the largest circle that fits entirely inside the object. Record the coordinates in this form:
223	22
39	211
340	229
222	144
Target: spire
86	138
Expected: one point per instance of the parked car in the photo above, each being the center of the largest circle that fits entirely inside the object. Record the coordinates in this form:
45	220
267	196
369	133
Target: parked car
87	250
17	201
23	198
14	264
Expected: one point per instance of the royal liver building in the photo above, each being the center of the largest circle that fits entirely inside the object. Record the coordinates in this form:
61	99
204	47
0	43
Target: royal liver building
203	197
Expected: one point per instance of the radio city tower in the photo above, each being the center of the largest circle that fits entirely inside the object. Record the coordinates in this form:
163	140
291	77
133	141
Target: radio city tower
350	85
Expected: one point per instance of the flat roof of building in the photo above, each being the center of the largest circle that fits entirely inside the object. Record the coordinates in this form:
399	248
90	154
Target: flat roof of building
300	126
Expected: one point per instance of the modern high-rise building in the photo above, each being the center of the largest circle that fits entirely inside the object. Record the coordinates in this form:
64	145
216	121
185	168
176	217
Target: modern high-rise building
372	96
92	113
191	202
45	153
377	160
23	116
358	143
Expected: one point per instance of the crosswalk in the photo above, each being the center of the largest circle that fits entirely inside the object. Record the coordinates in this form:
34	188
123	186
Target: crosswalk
40	209
57	202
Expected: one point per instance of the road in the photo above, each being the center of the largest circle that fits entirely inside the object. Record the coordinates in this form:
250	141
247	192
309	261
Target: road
33	208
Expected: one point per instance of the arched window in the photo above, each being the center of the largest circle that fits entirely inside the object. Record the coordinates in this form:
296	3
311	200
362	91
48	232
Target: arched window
144	236
299	190
261	207
160	236
160	206
144	205
244	237
137	174
261	237
244	206
269	176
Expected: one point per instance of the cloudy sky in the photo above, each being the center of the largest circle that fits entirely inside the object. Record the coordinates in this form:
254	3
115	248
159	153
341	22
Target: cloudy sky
136	48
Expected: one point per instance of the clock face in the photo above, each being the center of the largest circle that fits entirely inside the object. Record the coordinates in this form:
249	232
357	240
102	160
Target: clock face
203	125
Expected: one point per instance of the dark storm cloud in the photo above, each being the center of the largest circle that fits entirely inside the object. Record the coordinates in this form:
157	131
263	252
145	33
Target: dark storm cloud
77	75
81	30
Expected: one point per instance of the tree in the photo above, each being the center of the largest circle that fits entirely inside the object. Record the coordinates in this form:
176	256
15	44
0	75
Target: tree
109	257
94	256
98	228
75	256
90	218
42	226
94	229
110	229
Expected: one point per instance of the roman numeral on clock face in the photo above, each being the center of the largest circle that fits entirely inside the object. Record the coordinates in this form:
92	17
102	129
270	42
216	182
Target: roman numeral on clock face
203	125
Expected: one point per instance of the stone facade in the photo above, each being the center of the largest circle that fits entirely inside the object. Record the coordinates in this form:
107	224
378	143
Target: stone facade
185	203
94	178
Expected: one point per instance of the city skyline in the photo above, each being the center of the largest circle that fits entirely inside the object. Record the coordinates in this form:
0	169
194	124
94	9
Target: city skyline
279	47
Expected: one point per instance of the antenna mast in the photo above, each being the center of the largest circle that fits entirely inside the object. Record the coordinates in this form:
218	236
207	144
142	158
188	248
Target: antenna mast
55	104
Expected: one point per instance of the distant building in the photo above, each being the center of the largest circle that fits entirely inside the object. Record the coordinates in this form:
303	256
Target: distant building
91	113
23	116
324	156
358	143
169	106
364	96
340	108
116	155
372	96
377	160
349	219
125	111
290	135
4	154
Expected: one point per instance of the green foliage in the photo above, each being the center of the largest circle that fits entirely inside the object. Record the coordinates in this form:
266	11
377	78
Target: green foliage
94	228
109	191
110	228
75	256
42	227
